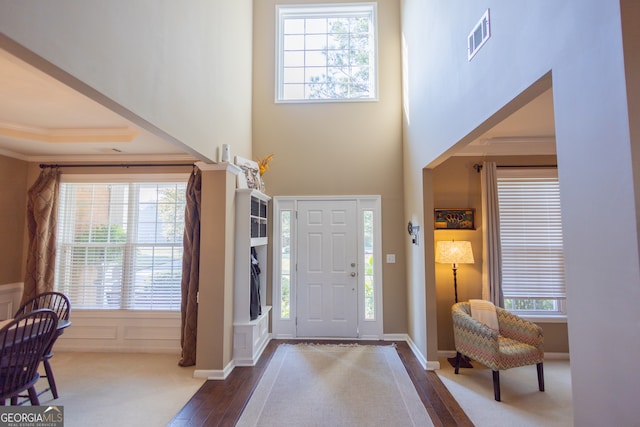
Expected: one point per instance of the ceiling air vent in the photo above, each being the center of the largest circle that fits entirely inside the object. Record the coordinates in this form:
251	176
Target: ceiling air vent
479	35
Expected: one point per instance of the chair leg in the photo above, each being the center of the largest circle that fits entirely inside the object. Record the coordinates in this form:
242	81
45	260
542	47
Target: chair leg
540	376
52	381
496	385
33	397
457	367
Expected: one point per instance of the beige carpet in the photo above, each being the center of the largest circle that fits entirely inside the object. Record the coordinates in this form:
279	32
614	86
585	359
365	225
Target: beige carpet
335	385
521	403
120	389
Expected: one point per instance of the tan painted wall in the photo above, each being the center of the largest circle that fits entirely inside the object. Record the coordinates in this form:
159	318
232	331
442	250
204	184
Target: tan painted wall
215	310
348	148
422	292
13	208
457	185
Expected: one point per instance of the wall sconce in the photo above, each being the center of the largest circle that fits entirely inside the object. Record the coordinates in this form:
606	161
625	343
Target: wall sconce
413	232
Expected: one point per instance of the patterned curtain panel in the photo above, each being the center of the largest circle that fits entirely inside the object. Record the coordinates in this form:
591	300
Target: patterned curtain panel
191	269
491	248
42	214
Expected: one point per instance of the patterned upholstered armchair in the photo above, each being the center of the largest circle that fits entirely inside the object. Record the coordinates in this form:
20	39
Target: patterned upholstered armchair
518	342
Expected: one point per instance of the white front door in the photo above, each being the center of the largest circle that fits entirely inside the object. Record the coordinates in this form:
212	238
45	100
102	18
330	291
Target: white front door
327	295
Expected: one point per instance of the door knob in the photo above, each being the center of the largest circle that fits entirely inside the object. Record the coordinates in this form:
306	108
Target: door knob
353	274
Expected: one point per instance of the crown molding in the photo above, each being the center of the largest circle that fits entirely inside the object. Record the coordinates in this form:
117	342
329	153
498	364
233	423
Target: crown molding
510	146
13	154
115	158
53	135
516	140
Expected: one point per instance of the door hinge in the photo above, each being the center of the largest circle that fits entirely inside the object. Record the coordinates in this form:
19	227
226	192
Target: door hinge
198	297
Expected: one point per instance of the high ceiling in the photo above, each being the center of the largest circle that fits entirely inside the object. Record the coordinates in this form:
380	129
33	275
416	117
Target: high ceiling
41	119
528	131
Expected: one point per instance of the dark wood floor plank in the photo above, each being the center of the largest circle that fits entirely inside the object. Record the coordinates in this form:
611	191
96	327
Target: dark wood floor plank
219	403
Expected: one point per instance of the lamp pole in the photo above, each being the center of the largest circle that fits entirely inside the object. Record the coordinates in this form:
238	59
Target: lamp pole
455	282
464	360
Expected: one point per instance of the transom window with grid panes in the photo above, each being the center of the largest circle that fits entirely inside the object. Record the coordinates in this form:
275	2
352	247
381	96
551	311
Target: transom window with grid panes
326	53
119	244
531	240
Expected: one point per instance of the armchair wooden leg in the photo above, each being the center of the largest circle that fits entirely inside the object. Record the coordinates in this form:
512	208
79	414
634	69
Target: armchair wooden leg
457	366
33	397
540	376
50	378
496	385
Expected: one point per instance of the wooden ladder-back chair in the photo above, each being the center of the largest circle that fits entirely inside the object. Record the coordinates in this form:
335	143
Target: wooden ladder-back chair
59	303
516	342
23	343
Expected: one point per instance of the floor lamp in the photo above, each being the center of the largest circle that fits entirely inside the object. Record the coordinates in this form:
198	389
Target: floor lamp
454	253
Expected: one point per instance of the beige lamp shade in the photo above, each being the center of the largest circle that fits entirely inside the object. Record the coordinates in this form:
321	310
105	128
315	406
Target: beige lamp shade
454	252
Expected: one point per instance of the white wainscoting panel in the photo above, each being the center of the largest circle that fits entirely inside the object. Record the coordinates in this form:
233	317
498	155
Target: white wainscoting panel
10	297
122	331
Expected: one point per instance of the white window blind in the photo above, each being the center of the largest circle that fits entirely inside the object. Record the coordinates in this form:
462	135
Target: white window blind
119	245
531	235
326	52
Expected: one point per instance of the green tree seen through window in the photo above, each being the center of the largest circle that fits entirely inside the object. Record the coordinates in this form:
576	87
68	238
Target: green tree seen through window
348	61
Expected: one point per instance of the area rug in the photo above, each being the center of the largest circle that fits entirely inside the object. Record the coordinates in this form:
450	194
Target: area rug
335	385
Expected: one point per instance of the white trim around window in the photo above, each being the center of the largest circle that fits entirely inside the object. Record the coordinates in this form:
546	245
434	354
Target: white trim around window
326	53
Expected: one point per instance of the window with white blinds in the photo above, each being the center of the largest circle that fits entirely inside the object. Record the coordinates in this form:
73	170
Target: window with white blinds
531	239
119	244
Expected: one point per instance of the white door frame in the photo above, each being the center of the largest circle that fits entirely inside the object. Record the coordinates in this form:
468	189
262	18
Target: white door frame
368	328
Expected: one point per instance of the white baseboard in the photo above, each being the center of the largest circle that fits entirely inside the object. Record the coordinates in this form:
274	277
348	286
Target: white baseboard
369	337
251	361
433	366
426	364
416	352
214	374
395	337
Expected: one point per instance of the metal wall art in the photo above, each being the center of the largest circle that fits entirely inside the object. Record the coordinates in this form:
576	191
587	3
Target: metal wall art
455	219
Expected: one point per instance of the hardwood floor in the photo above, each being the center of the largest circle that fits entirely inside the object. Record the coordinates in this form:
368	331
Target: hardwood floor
220	403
